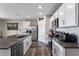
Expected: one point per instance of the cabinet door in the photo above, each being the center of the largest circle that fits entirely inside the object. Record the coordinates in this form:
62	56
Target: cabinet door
30	41
17	50
54	50
51	20
62	16
57	49
56	14
13	51
25	45
70	14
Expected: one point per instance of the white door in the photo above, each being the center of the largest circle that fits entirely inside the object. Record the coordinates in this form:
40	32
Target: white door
41	30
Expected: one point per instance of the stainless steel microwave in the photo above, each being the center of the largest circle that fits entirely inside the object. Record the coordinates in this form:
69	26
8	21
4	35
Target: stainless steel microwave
55	23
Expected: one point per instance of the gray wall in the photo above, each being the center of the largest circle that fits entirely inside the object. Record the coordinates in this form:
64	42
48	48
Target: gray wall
70	30
33	22
6	32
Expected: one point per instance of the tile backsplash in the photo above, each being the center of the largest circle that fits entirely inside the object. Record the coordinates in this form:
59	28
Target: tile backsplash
70	30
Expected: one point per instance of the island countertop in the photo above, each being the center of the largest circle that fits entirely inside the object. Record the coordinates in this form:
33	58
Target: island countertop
7	42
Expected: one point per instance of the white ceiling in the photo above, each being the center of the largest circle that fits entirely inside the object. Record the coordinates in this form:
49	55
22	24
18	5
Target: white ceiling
22	10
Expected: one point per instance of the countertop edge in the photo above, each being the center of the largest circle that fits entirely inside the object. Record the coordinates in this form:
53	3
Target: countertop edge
17	42
74	47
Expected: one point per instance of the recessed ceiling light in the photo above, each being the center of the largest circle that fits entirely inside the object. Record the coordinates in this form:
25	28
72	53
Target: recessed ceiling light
39	7
28	16
40	13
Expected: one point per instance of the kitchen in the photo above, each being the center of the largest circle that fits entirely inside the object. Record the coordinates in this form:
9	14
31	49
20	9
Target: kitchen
17	32
65	25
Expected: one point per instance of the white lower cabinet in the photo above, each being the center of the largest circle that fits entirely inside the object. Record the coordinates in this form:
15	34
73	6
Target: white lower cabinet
68	14
27	43
72	52
58	50
25	46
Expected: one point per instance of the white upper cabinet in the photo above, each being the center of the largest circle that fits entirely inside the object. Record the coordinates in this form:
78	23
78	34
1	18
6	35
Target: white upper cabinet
53	17
26	24
61	16
68	15
56	14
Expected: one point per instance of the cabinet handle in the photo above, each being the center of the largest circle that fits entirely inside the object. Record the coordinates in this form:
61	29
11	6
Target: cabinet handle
55	50
27	43
63	22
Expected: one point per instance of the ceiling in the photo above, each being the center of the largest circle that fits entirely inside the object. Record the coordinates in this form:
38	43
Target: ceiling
22	10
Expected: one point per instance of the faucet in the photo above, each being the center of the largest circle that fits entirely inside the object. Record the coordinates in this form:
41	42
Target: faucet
18	31
1	33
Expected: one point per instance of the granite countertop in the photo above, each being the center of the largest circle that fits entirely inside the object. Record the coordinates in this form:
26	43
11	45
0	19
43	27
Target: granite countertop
7	42
66	44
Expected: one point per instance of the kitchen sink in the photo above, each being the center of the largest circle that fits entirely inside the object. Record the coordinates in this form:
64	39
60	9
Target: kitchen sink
20	36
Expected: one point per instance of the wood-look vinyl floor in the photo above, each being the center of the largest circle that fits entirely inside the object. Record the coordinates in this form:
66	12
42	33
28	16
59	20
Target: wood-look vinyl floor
38	49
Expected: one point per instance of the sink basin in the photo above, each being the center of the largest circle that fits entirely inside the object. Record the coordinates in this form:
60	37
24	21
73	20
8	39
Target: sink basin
20	36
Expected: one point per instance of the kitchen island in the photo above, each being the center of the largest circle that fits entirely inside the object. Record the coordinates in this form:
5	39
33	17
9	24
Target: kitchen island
15	45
